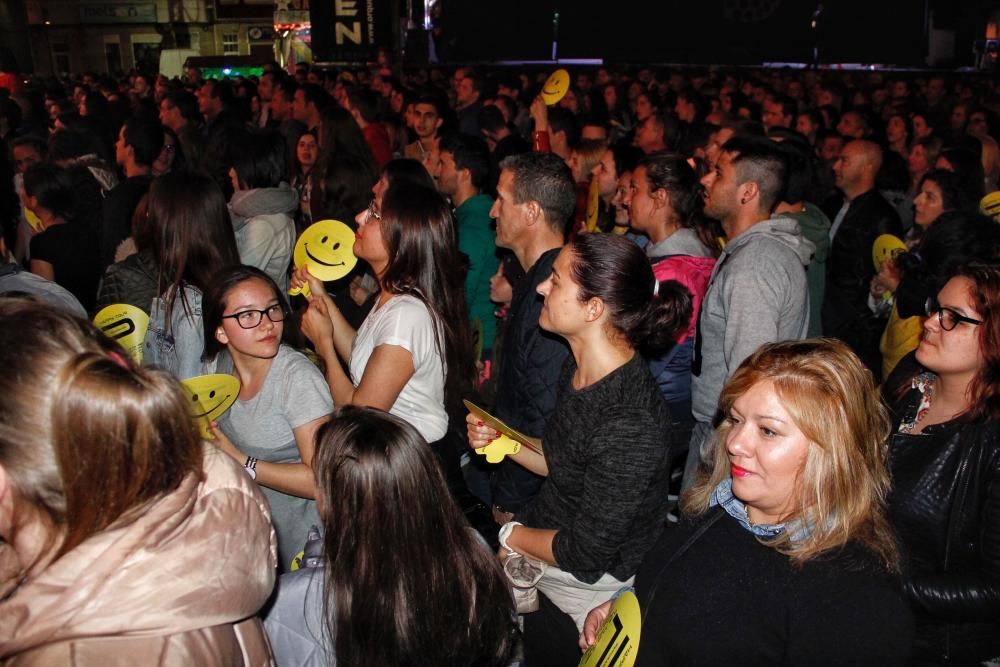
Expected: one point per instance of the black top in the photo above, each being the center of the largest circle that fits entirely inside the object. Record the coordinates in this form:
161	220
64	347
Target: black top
119	206
71	249
526	385
730	600
850	271
945	508
606	447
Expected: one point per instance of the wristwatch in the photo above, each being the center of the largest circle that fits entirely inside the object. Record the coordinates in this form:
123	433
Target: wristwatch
251	467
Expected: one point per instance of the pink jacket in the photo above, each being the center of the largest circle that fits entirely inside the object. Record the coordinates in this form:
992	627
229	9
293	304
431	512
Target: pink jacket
179	585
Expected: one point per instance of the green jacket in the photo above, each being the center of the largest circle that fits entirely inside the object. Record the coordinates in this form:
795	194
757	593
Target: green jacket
477	239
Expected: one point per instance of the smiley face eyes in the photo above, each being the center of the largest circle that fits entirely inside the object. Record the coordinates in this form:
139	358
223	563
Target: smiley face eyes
194	397
335	246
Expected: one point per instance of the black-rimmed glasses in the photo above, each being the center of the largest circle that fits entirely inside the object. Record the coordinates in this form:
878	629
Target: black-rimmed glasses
948	318
251	319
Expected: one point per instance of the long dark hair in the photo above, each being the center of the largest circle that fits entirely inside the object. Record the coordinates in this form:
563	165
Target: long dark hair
424	262
612	268
671	172
407	580
189	232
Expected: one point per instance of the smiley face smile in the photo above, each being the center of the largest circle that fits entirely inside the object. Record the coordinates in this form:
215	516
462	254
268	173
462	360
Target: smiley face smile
318	260
213	408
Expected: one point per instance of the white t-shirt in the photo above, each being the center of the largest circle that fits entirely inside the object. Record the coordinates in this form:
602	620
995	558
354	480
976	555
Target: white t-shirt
405	321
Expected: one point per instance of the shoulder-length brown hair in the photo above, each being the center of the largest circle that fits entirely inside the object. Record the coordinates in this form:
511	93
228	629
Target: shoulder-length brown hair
842	486
86	436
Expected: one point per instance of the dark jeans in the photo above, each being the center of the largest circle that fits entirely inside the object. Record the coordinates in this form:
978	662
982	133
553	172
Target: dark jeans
550	637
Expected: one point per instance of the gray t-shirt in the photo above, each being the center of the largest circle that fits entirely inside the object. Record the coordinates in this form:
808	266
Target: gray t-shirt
294	394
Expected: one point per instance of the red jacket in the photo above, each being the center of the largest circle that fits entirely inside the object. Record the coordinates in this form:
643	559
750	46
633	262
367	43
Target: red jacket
378	140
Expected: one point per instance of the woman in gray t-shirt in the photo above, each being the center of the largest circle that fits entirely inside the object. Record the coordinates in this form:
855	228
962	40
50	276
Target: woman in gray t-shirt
283	399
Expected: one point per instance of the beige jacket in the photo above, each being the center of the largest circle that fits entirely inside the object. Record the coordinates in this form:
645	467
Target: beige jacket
178	586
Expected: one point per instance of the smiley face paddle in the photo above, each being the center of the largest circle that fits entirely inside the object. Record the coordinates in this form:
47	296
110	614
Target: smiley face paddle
556	87
327	248
209	397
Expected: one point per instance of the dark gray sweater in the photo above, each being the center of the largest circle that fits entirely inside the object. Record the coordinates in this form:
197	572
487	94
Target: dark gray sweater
606	493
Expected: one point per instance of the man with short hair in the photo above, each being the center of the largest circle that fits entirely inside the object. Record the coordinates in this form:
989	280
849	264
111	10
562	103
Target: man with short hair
265	91
427	120
779	111
728	130
307	108
282	117
500	138
860	215
468	104
556	129
757	293
617	160
854	125
535	199
214	97
464	169
651	135
139	143
179	112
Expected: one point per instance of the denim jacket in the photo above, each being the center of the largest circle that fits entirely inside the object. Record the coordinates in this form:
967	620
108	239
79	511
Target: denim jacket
176	346
723	496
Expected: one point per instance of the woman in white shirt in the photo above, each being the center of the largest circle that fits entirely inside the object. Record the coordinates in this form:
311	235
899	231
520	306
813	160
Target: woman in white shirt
412	356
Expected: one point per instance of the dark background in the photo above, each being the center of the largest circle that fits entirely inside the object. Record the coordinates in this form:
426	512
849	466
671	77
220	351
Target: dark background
694	31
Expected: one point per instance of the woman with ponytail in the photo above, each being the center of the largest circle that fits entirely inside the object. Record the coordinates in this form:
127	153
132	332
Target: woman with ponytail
666	202
606	445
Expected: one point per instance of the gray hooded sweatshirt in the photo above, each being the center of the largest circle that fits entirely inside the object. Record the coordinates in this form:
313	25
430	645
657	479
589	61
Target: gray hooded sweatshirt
265	231
757	294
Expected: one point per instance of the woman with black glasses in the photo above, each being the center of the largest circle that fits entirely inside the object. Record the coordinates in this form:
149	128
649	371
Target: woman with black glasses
283	400
945	464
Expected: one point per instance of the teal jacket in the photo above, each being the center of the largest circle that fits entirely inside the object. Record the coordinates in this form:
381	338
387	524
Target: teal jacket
477	239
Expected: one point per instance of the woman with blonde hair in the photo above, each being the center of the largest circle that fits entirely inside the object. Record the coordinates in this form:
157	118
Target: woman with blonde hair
123	539
787	537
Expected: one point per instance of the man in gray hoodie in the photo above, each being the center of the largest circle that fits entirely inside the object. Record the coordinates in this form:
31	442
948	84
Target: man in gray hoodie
758	292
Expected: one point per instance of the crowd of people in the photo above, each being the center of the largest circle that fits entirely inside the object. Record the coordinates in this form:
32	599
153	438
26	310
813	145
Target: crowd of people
669	285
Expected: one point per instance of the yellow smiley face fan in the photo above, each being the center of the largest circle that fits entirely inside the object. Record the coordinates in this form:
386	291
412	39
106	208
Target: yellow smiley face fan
210	396
327	249
556	87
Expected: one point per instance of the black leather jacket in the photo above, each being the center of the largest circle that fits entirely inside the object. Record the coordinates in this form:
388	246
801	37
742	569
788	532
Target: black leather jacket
945	507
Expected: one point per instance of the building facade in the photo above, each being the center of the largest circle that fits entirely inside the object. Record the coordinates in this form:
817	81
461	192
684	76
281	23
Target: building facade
115	36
